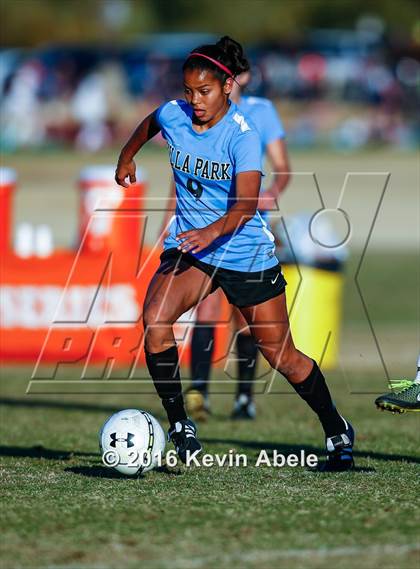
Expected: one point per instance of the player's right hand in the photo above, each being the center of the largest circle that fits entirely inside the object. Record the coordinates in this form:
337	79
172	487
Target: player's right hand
125	170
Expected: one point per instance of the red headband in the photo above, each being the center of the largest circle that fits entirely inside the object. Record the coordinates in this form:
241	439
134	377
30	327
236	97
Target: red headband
217	63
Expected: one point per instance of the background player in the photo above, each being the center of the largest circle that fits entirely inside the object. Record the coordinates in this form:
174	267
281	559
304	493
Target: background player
269	126
405	395
218	239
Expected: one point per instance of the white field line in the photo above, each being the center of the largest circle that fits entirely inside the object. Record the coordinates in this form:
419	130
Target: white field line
260	556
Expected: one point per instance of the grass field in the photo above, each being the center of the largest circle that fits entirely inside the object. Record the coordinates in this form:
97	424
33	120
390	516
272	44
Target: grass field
62	508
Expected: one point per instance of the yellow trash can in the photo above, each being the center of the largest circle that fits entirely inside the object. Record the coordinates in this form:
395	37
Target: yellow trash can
314	272
314	301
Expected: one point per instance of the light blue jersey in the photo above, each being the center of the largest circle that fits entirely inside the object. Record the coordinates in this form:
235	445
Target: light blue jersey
268	124
205	166
265	118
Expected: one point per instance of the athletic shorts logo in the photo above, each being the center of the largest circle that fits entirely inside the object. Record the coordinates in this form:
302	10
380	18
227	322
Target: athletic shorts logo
274	280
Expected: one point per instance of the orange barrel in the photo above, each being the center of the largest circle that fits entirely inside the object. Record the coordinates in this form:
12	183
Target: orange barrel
7	187
111	217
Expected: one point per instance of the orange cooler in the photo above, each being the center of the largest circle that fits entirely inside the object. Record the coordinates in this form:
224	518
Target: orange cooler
7	187
111	217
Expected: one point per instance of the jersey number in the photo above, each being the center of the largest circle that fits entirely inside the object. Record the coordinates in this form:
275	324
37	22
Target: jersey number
195	188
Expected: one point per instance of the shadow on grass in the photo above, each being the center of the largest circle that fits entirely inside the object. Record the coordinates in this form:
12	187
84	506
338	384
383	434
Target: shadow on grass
282	448
361	469
70	406
99	472
38	451
105	472
65	406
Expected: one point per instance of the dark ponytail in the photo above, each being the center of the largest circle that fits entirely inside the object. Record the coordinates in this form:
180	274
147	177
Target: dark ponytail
226	51
234	54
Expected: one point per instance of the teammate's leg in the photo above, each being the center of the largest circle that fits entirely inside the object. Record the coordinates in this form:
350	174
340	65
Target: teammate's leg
202	349
269	324
202	341
175	288
247	353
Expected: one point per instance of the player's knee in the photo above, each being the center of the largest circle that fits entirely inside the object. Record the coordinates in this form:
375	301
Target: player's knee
289	362
155	313
156	337
157	328
154	342
285	360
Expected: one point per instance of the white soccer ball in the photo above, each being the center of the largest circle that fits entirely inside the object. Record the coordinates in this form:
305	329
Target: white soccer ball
132	441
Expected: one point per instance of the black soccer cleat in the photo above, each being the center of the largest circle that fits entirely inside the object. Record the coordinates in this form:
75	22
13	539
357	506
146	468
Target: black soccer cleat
244	408
405	396
183	435
340	451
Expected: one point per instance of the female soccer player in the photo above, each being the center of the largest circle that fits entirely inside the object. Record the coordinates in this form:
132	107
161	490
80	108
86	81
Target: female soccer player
270	129
268	124
218	239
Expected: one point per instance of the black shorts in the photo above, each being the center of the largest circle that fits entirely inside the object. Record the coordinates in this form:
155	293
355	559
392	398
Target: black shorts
241	288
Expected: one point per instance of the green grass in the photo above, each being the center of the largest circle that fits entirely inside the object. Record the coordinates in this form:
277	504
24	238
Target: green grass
389	283
62	508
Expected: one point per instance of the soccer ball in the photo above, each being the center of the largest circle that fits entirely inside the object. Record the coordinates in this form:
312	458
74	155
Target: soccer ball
132	441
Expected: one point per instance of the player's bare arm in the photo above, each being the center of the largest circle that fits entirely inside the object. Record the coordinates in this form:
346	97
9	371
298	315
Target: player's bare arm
126	167
279	161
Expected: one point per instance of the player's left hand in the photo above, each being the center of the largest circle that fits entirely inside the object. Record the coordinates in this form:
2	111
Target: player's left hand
195	240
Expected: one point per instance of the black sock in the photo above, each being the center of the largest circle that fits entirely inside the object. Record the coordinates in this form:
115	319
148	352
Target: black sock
247	351
315	392
202	347
164	369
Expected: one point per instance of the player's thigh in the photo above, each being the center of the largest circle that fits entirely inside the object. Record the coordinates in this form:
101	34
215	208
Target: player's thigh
209	309
269	324
175	288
